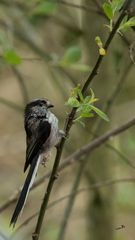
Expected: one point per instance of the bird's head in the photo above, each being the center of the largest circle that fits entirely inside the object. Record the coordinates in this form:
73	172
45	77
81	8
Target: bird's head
42	102
38	106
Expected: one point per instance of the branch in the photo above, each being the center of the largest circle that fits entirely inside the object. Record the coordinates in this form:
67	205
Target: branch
100	184
21	84
75	157
11	104
118	87
113	97
72	197
70	118
23	34
114	30
100	140
120	154
107	108
97	10
68	125
70	203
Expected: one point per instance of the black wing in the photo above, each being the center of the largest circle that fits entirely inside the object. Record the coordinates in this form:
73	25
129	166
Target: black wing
33	149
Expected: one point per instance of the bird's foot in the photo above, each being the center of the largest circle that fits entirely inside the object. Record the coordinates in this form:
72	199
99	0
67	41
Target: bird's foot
63	134
44	161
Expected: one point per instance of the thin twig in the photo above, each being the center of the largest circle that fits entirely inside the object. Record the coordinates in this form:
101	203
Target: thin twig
72	197
112	98
120	154
77	180
38	182
21	84
76	156
114	30
101	140
107	108
70	203
118	87
11	104
100	184
68	125
98	10
21	33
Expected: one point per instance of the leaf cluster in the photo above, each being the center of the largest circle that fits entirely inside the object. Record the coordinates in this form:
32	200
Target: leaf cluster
111	9
84	105
71	59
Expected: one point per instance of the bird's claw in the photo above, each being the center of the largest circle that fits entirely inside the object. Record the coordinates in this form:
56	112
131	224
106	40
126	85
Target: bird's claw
63	134
44	162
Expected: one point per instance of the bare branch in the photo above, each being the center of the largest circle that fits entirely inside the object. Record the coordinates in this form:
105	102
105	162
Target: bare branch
21	84
70	203
76	156
120	154
68	125
11	104
100	184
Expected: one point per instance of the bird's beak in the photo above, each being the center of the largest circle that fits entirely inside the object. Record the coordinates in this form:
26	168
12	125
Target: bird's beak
50	105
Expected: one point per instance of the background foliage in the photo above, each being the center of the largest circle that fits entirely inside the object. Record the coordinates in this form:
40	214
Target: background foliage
47	48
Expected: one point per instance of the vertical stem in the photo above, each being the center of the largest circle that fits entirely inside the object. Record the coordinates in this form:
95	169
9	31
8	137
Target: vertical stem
69	123
70	203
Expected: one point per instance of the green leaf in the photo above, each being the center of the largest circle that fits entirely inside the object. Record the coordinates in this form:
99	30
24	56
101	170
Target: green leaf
84	108
80	95
87	115
84	104
125	19
73	102
72	55
108	10
12	57
117	5
87	99
79	121
92	95
127	24
75	91
100	113
45	8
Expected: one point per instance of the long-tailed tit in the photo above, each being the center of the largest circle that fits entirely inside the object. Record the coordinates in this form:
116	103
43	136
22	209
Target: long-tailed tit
42	133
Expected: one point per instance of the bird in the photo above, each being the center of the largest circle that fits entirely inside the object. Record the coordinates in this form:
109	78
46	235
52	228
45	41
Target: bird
42	134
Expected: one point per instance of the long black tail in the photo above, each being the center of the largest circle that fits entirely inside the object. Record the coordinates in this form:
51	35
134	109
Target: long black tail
26	188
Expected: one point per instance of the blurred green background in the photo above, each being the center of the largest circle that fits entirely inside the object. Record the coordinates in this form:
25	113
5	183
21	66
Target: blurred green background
46	49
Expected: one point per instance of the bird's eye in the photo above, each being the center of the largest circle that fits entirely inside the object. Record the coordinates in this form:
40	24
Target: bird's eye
43	102
40	104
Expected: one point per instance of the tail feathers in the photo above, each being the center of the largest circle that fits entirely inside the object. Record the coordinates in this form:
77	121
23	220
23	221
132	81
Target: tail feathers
25	190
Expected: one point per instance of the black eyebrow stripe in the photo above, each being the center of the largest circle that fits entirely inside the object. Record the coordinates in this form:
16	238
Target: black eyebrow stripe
32	104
